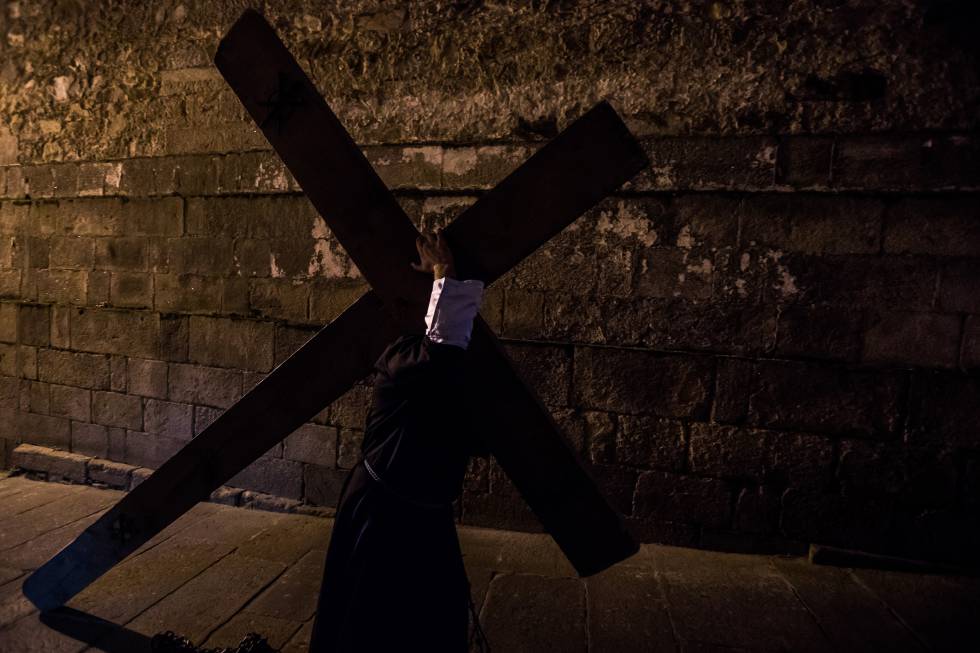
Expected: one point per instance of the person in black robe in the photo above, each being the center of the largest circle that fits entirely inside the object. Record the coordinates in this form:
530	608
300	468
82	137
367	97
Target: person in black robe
394	578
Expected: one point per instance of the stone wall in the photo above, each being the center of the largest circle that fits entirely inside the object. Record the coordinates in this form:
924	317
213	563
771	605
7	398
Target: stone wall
770	337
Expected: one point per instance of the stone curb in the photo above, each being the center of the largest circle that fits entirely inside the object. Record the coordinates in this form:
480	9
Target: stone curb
45	463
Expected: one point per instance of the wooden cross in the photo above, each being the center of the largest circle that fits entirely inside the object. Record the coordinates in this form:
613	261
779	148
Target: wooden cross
591	158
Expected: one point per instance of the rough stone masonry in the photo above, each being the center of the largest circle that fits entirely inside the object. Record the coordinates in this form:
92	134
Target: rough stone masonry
769	338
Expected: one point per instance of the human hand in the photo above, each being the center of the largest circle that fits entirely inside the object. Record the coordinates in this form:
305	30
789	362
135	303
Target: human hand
434	255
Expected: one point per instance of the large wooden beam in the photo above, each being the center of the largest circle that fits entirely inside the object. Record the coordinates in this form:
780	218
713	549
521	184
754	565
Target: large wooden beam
587	161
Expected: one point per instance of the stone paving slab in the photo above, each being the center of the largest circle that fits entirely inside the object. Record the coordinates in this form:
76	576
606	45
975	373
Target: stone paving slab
530	613
852	617
735	600
29	524
942	611
219	572
615	627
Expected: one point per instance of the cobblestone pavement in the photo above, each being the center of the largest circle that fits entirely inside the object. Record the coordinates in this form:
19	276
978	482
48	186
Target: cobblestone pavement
219	572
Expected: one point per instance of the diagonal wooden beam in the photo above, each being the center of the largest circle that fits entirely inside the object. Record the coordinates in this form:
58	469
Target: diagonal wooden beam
587	161
319	372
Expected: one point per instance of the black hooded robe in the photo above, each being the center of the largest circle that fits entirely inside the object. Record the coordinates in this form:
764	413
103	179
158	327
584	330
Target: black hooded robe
394	578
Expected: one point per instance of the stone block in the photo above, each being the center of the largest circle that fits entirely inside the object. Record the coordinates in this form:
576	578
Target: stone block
8	360
283	478
112	474
10	284
813	224
14	216
259	217
948	226
131	333
74	368
224	342
407	167
187	293
117	443
547	369
832	332
139	475
38	252
630	381
8	322
481	167
437	212
44	430
121	253
35	397
90	217
523	314
117	373
163	216
262	172
920	339
728	452
351	409
757	510
117	409
149	450
63	286
12	251
804	161
251	257
131	289
289	339
906	162
209	386
267	502
330	297
74	403
826	399
200	255
27	362
60	334
204	417
682	498
56	464
799	460
197	175
312	444
871	468
73	252
90	439
617	484
280	299
943	410
39	180
91	178
892	282
228	496
650	443
97	293
959	284
349	447
970	352
146	377
168	418
234	296
34	324
708	163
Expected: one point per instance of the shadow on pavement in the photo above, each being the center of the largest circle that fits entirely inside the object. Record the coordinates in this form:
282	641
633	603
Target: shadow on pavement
104	635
